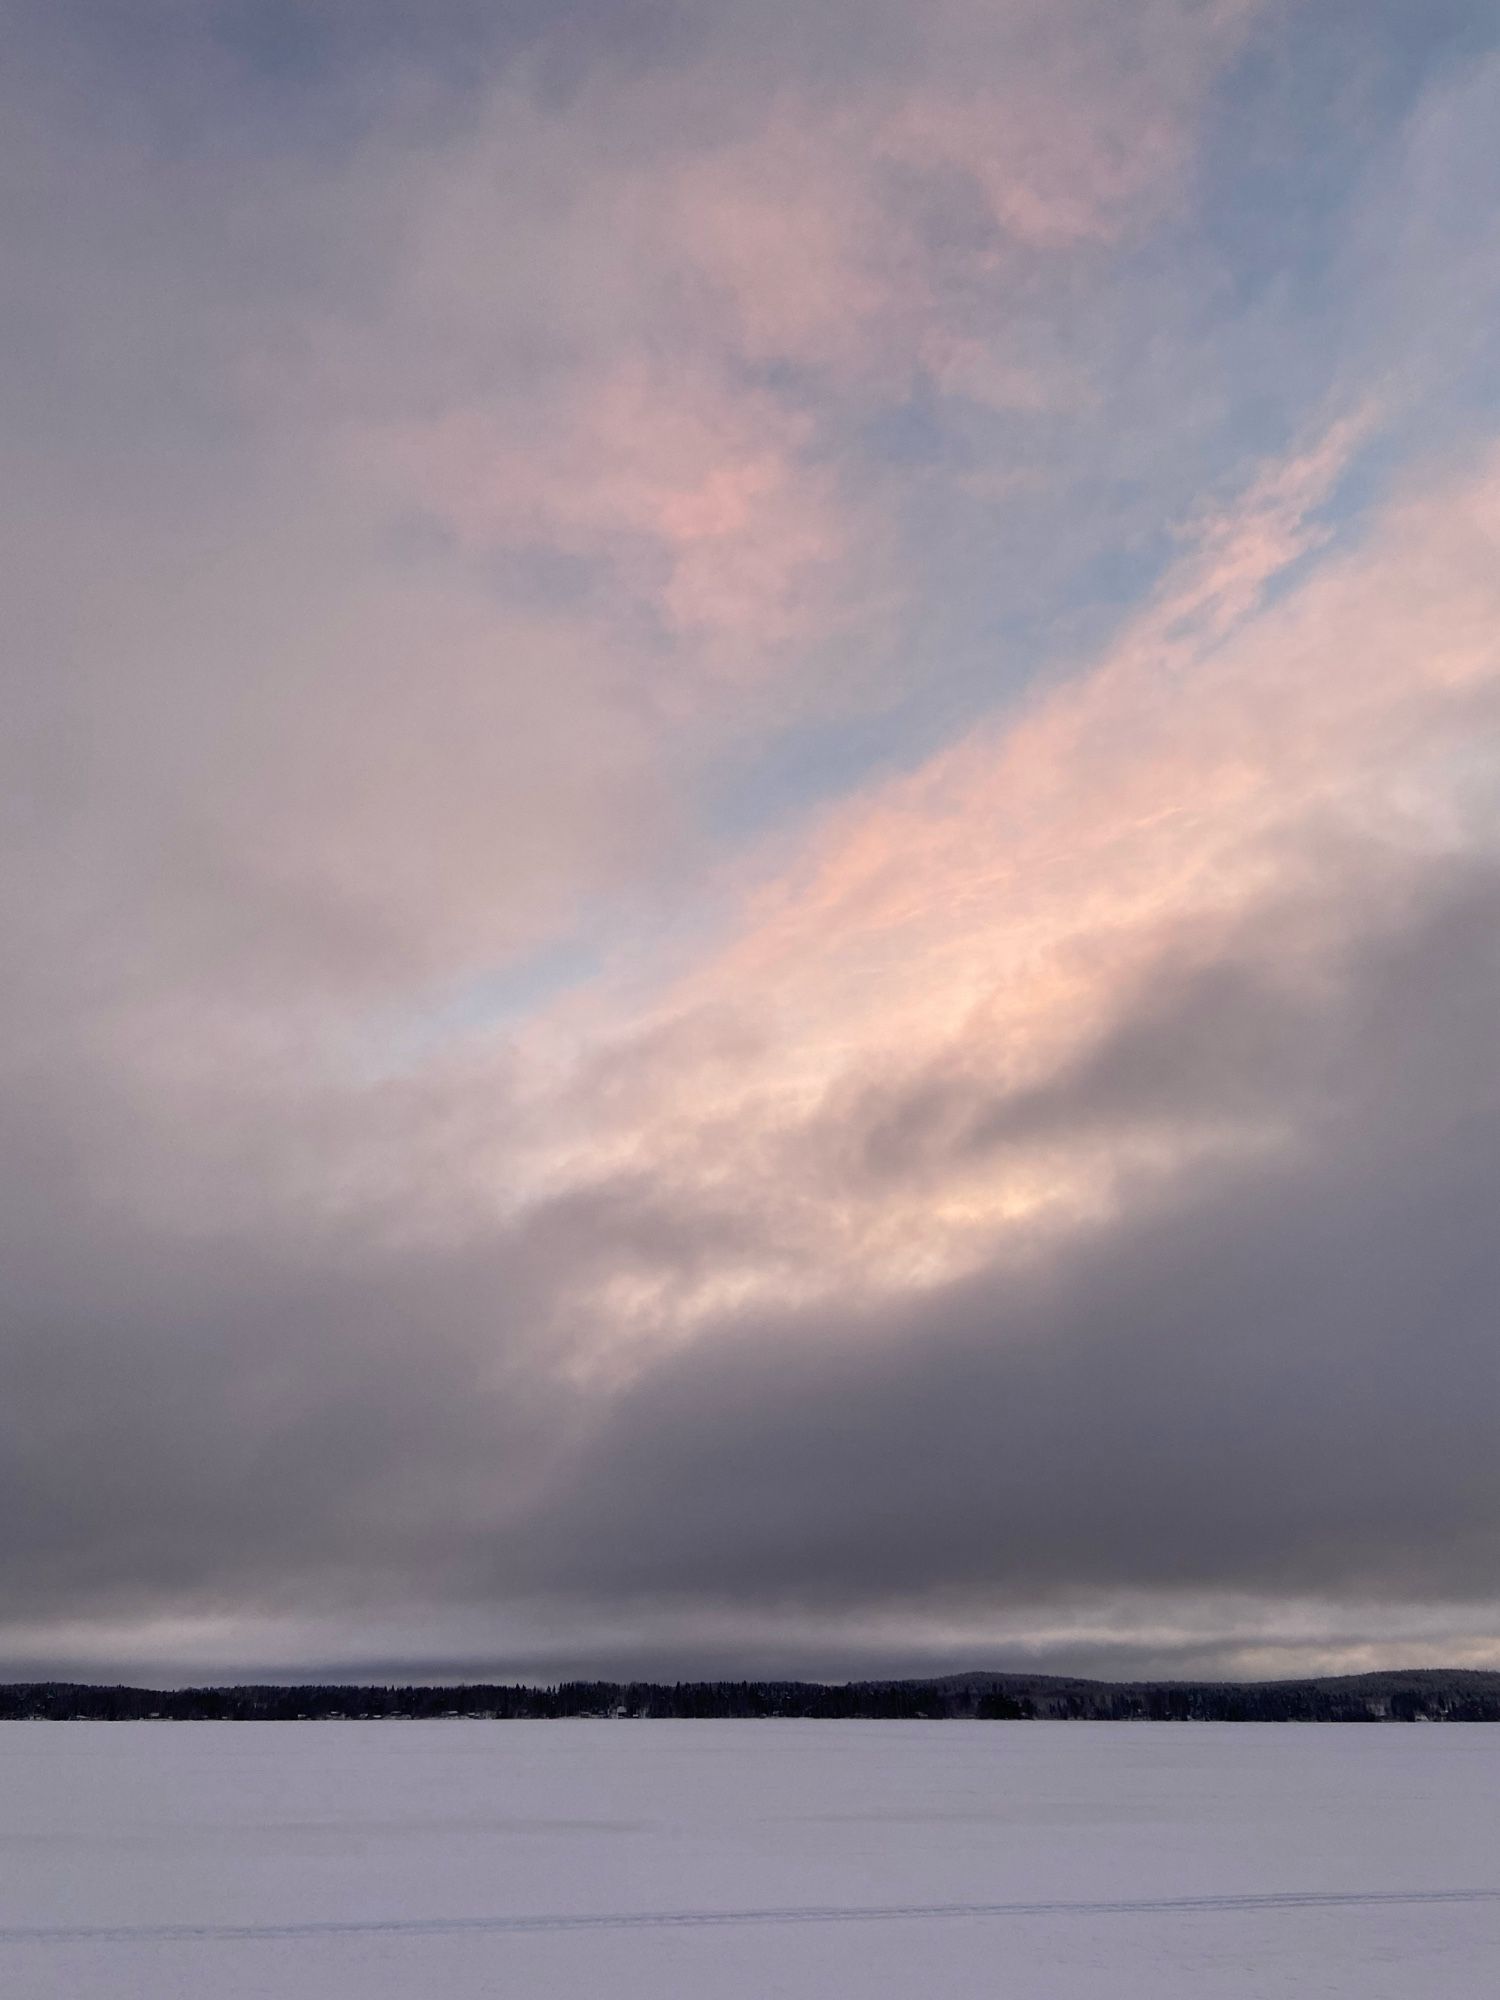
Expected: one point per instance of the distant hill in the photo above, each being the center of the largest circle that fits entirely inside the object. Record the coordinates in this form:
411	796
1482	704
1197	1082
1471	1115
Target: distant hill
1425	1695
1437	1694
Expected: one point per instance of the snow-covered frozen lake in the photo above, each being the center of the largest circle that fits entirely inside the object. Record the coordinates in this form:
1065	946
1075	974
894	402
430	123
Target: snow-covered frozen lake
741	1860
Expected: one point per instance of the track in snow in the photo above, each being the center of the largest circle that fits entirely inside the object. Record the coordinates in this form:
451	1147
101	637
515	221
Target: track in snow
705	1919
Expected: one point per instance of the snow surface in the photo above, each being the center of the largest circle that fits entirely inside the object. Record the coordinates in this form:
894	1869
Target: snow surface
725	1860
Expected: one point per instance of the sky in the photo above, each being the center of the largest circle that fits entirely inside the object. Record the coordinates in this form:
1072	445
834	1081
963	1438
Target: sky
752	854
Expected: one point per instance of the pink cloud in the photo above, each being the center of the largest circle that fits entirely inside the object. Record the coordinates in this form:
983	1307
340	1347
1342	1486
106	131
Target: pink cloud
1228	762
686	256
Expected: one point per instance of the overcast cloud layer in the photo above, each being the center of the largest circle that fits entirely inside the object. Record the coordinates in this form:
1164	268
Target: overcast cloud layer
752	849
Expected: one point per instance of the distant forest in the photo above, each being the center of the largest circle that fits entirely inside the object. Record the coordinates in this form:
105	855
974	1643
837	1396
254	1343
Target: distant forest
1425	1696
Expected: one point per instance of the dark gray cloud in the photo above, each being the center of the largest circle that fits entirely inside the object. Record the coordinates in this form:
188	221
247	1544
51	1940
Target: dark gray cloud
1277	1373
1272	1374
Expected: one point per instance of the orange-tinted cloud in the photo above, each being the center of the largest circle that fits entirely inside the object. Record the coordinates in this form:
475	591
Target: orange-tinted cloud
974	929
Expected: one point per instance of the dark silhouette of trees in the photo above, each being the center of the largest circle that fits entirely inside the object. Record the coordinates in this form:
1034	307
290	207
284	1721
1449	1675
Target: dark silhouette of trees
1426	1696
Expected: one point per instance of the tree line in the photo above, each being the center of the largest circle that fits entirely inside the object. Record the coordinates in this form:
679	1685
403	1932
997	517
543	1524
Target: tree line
1435	1696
